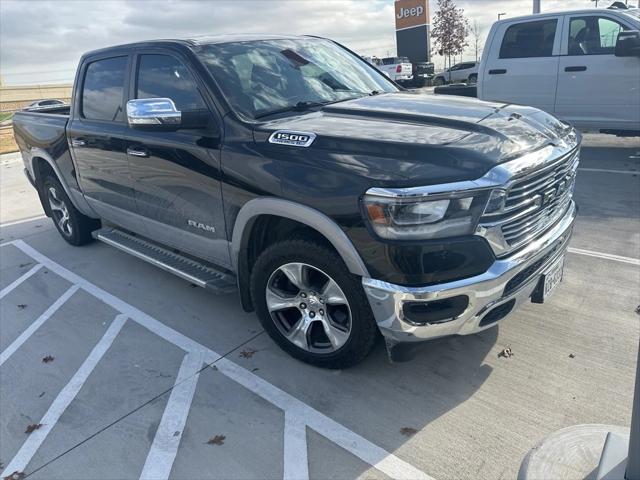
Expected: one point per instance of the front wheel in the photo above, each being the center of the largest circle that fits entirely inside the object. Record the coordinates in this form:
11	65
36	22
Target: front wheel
438	82
311	305
74	227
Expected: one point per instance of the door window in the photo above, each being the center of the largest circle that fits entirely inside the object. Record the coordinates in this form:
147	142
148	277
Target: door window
162	76
529	39
103	89
593	35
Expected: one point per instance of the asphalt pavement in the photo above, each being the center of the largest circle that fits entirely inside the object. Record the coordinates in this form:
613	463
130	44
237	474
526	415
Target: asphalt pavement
122	370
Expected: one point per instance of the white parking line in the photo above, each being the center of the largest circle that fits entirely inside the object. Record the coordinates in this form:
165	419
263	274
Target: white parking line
604	170
606	256
23	220
296	465
17	282
64	398
350	441
169	433
24	336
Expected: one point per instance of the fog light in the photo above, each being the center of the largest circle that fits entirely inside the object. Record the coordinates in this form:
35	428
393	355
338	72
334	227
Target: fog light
436	311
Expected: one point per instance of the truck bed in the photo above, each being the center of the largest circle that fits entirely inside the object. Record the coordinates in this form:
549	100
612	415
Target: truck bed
43	128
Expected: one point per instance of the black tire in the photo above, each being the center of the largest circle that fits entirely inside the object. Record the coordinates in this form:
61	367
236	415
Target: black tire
473	79
439	81
77	228
363	329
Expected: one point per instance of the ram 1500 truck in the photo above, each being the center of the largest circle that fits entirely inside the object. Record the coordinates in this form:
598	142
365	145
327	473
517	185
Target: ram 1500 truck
287	167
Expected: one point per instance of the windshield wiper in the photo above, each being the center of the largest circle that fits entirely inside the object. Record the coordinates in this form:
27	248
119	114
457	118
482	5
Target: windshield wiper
298	107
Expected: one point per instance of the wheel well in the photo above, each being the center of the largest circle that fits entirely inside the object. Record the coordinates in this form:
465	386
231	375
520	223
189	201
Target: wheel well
41	169
266	230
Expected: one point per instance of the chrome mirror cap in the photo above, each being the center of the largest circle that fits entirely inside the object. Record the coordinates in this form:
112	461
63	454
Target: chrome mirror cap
153	111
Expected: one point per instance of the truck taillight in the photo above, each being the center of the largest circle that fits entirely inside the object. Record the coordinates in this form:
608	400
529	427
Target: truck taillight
399	69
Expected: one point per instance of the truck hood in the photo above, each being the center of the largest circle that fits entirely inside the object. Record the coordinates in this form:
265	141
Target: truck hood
419	138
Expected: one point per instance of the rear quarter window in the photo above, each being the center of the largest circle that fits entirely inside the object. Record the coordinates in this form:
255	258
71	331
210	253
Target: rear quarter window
529	39
103	89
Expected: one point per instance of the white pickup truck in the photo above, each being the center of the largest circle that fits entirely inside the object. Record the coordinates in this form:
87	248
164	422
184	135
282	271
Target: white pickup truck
582	66
397	69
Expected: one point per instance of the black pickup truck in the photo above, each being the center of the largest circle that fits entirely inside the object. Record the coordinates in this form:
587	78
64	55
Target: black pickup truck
290	169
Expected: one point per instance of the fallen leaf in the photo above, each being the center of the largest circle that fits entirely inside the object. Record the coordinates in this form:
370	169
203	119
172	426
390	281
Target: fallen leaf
47	359
15	476
176	434
214	368
22	265
217	440
22	306
506	353
41	395
33	427
247	353
572	355
255	369
638	309
408	431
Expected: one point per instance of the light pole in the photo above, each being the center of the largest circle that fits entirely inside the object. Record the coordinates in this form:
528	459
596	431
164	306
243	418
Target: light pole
536	6
500	15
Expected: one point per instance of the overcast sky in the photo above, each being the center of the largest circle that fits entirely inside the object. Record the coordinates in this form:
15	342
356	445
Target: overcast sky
41	41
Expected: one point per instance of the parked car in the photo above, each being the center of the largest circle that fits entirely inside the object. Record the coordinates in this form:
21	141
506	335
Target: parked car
44	103
582	65
460	72
288	167
397	68
423	73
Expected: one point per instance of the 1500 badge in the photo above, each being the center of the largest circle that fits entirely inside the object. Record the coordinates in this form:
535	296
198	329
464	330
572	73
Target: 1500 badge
295	139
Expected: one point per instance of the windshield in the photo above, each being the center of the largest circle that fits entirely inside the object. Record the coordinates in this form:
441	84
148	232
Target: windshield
270	76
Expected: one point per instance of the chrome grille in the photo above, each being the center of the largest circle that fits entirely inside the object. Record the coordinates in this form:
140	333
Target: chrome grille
534	202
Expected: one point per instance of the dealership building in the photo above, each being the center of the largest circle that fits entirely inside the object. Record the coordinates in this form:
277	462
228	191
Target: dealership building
412	30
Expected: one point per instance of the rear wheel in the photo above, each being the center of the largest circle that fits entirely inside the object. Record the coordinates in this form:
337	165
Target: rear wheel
439	81
74	227
311	305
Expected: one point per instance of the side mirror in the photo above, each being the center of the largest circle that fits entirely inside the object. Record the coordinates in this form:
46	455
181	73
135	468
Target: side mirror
151	113
628	44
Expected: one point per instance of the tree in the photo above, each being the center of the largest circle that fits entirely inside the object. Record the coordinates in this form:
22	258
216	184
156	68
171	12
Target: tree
476	39
450	30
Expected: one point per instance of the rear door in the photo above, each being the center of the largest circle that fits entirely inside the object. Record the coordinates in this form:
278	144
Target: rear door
596	89
96	136
177	173
522	64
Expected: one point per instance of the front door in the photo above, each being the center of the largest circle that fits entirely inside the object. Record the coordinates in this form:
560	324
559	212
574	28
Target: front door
524	69
96	137
177	173
596	89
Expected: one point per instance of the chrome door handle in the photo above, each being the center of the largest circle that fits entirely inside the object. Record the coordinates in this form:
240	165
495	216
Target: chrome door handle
78	142
136	152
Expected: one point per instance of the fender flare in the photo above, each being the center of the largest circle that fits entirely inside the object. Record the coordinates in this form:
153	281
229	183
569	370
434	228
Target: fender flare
315	219
76	197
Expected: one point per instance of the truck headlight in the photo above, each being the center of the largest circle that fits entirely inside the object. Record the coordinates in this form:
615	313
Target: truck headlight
431	216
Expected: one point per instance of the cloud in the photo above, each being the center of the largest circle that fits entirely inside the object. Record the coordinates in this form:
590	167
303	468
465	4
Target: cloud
42	40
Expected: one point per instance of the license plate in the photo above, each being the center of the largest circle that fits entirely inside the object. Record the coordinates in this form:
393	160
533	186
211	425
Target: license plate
552	278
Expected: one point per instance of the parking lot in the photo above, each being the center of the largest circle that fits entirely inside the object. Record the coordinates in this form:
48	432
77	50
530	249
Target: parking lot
125	371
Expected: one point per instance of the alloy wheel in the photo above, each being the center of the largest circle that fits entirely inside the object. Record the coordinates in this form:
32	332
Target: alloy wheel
59	211
309	308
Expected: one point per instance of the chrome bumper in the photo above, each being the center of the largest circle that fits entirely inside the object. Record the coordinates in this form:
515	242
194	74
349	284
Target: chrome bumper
485	291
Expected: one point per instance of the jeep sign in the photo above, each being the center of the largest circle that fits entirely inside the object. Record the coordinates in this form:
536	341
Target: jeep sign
412	29
411	13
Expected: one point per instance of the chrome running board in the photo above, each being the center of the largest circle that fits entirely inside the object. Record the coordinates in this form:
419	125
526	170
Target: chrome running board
200	274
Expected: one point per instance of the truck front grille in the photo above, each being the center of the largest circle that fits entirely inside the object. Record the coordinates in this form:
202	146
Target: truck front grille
534	202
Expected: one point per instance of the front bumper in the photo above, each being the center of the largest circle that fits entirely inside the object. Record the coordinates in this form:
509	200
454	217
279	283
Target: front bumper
486	292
